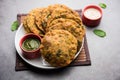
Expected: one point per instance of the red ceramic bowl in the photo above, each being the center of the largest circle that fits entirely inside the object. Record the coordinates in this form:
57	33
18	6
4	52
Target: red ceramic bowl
94	18
30	54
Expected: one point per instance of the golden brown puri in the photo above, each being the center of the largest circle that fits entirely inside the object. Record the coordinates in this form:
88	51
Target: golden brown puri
37	13
62	31
58	47
26	26
44	17
69	25
63	13
56	6
32	26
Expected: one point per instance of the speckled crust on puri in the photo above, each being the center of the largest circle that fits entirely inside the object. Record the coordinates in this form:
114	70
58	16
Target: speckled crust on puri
59	47
61	29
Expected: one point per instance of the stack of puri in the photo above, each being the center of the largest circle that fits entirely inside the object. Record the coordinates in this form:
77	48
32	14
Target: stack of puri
61	29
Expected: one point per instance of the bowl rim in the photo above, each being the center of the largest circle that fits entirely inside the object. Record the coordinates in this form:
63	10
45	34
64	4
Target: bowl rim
92	6
29	35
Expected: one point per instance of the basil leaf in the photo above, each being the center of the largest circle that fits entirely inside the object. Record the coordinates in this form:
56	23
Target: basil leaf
99	33
14	26
102	5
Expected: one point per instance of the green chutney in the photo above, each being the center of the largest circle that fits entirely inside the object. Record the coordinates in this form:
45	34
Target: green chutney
31	44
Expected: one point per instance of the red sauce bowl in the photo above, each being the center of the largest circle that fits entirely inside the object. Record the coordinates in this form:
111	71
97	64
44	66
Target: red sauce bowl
88	21
30	54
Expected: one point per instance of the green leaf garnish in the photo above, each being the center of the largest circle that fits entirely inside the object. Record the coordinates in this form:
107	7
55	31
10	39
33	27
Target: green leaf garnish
100	33
102	5
14	26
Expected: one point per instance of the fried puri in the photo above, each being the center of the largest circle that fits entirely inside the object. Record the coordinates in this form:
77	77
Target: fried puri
58	47
62	32
69	25
40	19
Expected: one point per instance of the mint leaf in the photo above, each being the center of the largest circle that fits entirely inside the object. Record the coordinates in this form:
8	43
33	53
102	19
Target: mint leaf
14	26
102	5
99	32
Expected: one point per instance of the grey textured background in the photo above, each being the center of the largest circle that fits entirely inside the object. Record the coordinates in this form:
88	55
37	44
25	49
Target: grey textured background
104	52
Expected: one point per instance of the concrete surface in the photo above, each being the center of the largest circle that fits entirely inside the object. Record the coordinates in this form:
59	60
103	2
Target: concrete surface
104	52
